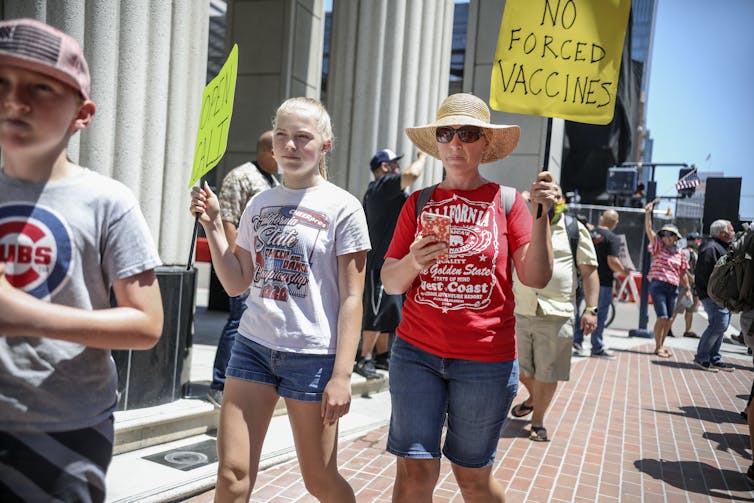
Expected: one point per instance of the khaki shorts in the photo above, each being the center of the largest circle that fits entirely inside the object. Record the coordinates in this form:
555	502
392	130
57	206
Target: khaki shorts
544	346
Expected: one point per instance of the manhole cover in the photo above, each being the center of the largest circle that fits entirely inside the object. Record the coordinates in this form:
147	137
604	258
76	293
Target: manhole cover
187	457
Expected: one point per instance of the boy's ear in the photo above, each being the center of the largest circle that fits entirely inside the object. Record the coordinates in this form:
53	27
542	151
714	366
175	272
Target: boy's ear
85	115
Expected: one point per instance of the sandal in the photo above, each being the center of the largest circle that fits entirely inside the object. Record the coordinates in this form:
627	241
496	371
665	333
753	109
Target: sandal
521	409
663	353
538	434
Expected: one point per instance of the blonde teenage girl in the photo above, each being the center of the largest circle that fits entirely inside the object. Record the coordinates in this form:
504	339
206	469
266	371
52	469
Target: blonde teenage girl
302	247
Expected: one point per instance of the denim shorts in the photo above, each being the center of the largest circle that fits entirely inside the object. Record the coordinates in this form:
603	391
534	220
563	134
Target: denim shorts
295	375
663	296
426	389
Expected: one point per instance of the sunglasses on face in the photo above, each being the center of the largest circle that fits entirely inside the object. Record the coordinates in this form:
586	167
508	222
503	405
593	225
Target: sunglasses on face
467	134
666	235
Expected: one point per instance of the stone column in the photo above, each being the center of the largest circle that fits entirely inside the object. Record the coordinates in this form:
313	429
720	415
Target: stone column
389	67
279	56
521	167
148	62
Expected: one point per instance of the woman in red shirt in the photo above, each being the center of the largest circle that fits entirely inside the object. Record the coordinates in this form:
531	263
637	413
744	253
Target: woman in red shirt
454	357
667	271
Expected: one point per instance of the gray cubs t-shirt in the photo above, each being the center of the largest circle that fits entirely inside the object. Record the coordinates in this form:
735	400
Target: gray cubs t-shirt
66	242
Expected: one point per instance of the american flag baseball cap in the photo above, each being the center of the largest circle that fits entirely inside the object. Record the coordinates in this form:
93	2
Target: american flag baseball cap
36	46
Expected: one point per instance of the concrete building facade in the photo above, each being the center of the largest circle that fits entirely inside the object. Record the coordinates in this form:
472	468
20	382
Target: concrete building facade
389	68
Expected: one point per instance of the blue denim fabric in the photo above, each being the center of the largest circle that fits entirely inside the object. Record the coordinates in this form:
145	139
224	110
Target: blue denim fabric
603	306
718	319
425	389
300	376
663	296
237	305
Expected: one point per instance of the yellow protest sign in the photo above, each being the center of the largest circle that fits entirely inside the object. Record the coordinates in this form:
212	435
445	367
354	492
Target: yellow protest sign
559	58
214	119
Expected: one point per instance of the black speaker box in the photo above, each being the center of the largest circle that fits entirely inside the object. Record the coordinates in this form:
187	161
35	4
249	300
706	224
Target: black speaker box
721	199
157	376
621	180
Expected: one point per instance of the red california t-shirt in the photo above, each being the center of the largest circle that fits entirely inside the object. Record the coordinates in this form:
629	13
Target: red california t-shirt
462	306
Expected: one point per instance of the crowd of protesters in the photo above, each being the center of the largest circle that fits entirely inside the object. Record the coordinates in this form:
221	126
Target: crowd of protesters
478	278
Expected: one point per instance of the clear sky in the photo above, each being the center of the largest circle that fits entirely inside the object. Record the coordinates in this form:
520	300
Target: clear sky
701	91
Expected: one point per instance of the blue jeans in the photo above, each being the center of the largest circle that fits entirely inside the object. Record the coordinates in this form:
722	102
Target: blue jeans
299	376
237	305
663	296
718	318
603	305
425	389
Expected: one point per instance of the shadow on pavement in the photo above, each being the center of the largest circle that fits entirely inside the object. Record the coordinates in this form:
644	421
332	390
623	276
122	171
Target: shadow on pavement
514	428
669	362
701	478
632	351
734	363
730	442
717	416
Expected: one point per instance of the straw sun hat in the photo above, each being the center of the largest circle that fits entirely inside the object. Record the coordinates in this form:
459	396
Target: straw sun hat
466	110
670	228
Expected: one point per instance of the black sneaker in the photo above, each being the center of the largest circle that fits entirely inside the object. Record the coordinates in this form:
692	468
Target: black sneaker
365	368
382	360
705	366
215	396
721	365
604	354
750	474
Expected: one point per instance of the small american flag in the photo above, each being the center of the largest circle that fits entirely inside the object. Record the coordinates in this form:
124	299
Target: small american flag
689	181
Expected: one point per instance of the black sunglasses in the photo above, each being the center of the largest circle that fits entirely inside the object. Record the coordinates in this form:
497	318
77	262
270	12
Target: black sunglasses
467	134
666	235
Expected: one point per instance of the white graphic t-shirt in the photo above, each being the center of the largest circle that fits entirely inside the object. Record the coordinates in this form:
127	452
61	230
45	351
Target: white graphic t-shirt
294	237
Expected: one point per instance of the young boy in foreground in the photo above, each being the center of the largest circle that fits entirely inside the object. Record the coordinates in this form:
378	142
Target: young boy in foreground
67	235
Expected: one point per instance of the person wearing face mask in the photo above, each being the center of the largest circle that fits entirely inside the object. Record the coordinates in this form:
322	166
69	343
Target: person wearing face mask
689	307
667	272
545	318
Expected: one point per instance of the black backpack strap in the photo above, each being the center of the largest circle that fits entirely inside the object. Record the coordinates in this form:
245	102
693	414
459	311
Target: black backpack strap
572	229
424	197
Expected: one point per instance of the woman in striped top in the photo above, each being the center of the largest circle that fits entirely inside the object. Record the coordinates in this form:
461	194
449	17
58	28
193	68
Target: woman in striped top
665	274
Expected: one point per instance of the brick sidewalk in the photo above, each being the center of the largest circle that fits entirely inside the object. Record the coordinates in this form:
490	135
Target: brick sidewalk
637	428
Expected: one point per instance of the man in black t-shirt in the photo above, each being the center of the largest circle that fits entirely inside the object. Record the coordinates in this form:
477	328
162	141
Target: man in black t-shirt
382	202
607	245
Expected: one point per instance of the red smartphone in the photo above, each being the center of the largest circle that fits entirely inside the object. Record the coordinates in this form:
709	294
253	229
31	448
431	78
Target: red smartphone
437	226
